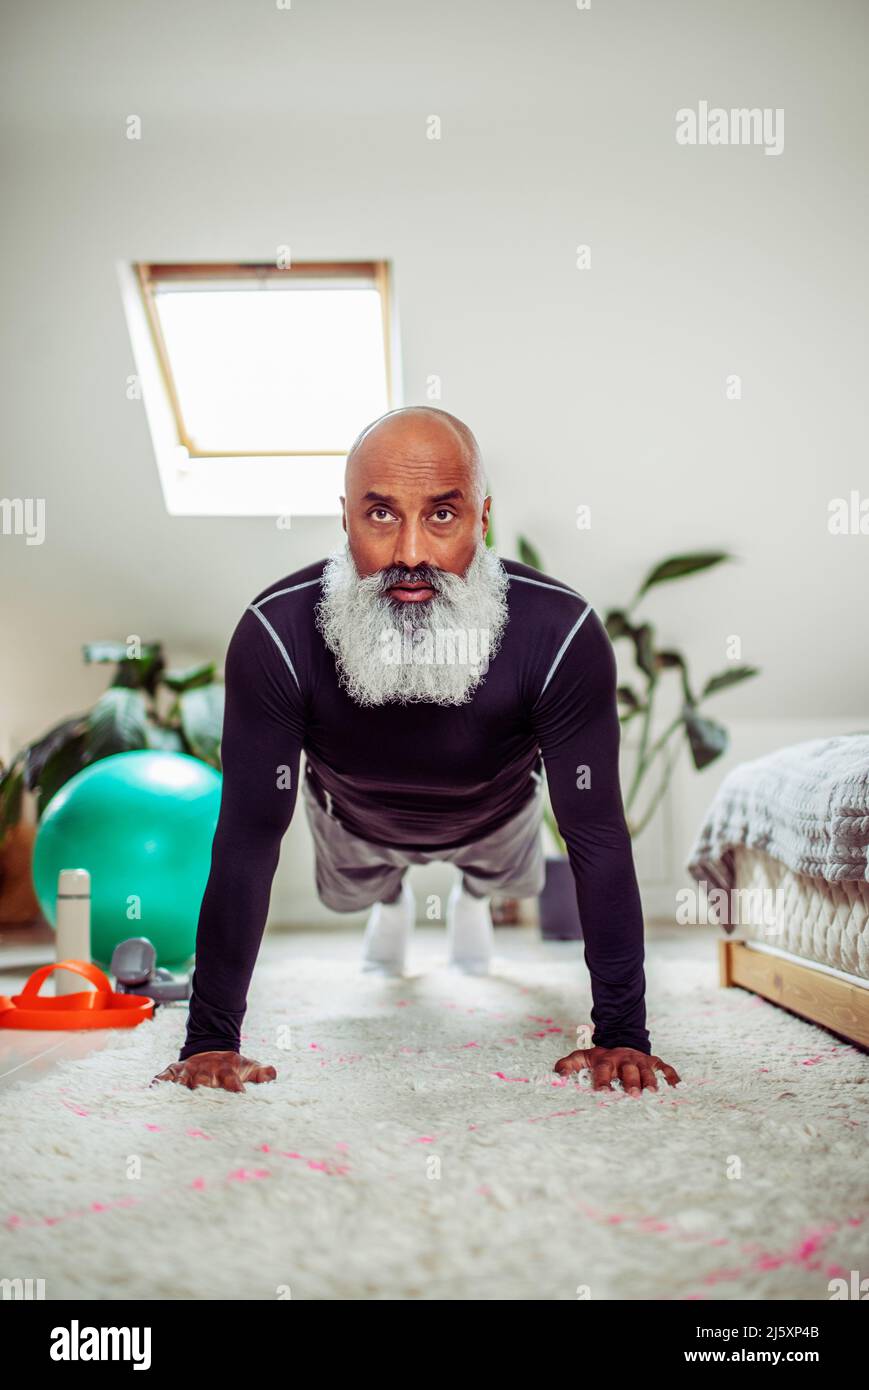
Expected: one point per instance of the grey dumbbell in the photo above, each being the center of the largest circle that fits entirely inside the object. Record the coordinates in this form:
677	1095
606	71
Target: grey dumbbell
136	972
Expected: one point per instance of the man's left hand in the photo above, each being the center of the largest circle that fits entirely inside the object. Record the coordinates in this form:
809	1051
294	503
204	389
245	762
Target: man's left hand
635	1070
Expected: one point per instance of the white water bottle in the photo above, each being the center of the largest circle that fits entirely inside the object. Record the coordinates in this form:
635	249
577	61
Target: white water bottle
72	927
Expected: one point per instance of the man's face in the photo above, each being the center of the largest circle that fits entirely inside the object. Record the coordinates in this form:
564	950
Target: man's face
414	605
413	505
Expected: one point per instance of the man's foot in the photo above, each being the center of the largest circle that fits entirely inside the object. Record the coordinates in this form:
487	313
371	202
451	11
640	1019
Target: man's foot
470	934
387	932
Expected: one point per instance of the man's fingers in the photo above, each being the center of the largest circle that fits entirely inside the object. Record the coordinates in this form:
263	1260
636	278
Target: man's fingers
230	1081
250	1070
215	1070
226	1077
195	1076
670	1072
630	1076
260	1073
636	1072
602	1076
168	1074
574	1061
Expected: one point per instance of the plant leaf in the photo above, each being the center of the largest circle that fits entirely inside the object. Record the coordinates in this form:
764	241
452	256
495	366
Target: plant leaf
528	555
164	739
617	625
133	673
728	678
666	659
627	697
140	673
95	652
203	674
37	755
11	793
490	532
678	566
117	722
202	720
707	740
645	649
66	760
675	660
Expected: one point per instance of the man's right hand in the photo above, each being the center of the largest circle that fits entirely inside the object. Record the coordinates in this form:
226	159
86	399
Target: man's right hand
226	1069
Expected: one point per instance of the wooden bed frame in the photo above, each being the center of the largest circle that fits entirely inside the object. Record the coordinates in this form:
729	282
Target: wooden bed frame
833	1003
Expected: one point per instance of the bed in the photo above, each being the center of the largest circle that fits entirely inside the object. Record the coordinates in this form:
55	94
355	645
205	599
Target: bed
783	860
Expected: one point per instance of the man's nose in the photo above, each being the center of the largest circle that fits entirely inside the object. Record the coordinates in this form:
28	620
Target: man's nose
411	548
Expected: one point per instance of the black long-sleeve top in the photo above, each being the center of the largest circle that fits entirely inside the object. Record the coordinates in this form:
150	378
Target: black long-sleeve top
421	776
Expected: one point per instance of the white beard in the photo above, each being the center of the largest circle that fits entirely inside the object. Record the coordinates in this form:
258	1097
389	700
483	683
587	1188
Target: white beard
436	651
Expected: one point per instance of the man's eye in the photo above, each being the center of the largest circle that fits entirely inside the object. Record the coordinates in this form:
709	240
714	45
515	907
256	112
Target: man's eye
375	510
445	512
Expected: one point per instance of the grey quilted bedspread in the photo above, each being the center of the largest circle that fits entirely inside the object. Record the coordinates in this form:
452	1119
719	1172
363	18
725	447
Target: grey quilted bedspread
806	805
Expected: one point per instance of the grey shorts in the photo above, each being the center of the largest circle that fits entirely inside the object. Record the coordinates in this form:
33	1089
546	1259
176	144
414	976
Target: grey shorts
353	873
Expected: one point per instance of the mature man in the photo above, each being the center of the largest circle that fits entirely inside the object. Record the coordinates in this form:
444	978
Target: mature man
424	678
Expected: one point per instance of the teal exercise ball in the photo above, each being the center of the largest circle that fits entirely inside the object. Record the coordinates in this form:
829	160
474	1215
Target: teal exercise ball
142	824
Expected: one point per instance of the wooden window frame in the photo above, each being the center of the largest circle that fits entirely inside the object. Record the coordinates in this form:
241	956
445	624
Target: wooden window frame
150	273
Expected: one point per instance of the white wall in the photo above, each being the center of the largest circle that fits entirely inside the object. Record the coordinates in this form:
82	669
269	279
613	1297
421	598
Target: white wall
264	126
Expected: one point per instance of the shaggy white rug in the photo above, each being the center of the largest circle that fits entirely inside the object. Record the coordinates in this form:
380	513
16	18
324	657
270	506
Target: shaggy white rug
417	1145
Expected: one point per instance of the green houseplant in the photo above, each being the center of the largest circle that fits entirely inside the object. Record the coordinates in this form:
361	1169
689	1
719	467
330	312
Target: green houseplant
656	757
706	738
145	706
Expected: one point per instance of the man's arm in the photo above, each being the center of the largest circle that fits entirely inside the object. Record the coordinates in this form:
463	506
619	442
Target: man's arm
260	750
576	722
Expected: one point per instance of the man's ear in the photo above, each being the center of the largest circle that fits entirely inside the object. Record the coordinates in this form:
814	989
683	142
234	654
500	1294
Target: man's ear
487	502
343	502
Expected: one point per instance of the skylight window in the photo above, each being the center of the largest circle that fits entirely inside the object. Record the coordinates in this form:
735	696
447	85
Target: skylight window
247	363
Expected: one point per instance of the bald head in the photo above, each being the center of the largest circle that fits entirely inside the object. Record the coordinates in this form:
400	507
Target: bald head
415	493
421	432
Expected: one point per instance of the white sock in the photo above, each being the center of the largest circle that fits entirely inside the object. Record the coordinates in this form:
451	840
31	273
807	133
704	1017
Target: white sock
469	931
387	933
